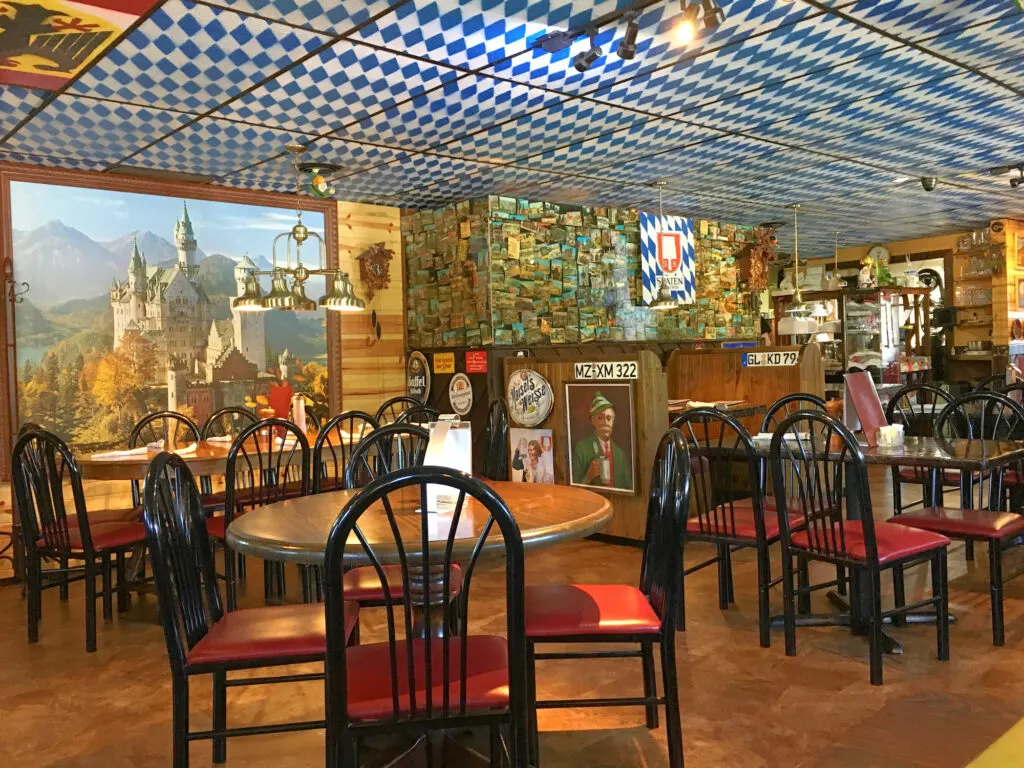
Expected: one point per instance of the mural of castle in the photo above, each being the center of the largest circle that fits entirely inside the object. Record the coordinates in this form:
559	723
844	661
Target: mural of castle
209	363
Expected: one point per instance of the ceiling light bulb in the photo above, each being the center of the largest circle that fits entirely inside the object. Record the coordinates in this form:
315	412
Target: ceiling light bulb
627	48
687	29
585	60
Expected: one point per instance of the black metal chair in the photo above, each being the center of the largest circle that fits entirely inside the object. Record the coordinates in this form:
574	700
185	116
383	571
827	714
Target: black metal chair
334	444
496	445
982	515
41	464
227	423
618	613
386	449
201	638
425	677
916	407
267	463
168	428
421	415
390	410
822	459
728	504
994	383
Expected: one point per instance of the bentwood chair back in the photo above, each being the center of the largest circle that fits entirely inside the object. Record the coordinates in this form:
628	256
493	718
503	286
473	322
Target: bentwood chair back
425	676
334	446
386	449
268	462
201	638
227	422
169	428
41	465
834	524
726	503
916	407
496	441
994	383
421	415
390	410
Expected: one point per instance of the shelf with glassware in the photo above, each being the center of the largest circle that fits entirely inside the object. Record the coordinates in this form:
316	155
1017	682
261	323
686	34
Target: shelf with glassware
977	265
820	321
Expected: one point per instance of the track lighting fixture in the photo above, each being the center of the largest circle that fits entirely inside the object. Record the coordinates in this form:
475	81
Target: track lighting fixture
713	14
687	28
1014	183
585	60
627	48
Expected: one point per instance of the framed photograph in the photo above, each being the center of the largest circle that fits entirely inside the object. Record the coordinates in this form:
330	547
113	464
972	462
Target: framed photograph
532	452
1018	245
1020	294
601	436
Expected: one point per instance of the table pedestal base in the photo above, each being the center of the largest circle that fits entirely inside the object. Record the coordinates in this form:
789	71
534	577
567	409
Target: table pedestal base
447	748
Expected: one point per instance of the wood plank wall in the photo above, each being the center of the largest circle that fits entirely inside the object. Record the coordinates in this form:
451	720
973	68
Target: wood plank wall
1004	287
371	371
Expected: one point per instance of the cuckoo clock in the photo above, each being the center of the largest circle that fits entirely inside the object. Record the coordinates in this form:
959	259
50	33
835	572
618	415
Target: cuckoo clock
375	268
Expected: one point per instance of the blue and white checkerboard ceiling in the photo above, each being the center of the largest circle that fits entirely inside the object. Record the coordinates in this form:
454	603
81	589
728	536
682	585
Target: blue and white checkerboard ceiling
838	105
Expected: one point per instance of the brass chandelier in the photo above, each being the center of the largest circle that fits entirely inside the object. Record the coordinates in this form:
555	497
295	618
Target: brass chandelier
340	295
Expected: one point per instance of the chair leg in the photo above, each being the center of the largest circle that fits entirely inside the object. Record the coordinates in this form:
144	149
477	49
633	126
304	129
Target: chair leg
108	589
123	599
531	700
673	726
650	684
940	590
681	611
788	604
90	606
63	588
179	721
764	580
34	587
220	715
803	600
841	580
495	751
995	566
268	581
307	587
969	551
875	630
241	567
730	591
229	579
723	577
899	595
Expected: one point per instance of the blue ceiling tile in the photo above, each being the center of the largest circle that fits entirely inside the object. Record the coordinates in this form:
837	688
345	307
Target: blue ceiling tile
982	45
15	105
329	17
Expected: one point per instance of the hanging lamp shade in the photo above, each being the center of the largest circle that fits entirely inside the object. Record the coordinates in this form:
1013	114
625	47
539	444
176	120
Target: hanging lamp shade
302	302
251	299
340	297
279	297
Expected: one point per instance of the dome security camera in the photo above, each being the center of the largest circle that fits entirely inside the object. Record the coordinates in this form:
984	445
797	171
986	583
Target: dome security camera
929	182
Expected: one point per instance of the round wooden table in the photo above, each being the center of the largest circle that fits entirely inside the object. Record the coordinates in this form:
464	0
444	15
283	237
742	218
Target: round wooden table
207	459
296	530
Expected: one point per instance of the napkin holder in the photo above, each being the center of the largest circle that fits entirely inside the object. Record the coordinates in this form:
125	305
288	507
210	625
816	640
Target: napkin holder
451	445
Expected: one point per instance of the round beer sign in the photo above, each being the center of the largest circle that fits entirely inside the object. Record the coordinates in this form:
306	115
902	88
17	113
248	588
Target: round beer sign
417	377
460	394
529	398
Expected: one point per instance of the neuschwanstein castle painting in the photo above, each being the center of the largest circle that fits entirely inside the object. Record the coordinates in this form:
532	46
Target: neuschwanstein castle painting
128	310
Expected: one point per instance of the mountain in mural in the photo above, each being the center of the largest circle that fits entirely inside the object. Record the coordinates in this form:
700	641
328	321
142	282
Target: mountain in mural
60	263
159	251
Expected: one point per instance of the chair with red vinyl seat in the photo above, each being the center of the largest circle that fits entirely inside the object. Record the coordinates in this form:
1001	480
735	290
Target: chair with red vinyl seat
169	429
41	465
982	515
268	462
916	406
618	613
420	415
201	638
425	676
822	459
728	504
390	410
334	445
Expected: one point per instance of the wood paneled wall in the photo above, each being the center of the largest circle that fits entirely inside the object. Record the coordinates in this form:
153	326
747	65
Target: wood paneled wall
371	370
1005	308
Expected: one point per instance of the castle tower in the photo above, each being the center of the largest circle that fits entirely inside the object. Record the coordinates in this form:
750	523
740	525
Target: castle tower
249	327
185	242
137	285
287	363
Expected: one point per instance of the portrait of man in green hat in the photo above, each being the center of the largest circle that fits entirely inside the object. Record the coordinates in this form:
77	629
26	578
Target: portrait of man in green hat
597	459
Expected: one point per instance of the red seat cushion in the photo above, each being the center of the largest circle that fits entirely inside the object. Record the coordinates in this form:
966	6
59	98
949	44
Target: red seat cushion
216	527
892	541
922	474
963	522
562	610
1012	477
244	496
267	634
741	520
369	676
105	536
363	585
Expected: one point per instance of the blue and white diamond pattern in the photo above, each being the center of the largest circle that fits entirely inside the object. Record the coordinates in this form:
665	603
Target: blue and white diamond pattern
917	19
329	17
470	103
51	161
193	58
407	172
983	45
346	82
15	105
90	129
681	282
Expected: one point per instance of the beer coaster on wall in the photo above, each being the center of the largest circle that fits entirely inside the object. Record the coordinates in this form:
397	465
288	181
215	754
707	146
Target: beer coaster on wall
417	376
529	398
460	394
